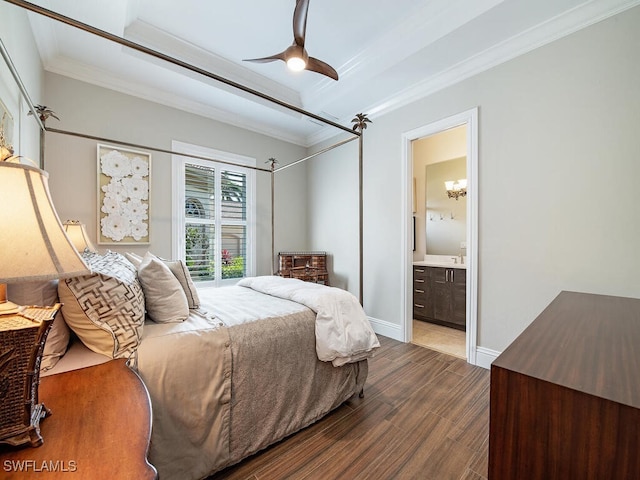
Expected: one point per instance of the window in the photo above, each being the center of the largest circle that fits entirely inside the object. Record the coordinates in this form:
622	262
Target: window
213	215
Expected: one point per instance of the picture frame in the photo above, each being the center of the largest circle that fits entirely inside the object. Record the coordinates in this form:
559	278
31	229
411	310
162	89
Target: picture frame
124	178
6	127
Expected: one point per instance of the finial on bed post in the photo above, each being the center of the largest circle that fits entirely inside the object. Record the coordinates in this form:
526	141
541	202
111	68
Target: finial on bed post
273	162
360	122
43	112
359	125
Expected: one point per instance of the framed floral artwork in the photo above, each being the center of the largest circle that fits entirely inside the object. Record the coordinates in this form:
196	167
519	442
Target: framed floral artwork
123	196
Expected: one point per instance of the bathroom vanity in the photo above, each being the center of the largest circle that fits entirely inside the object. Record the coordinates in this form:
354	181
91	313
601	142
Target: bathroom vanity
440	291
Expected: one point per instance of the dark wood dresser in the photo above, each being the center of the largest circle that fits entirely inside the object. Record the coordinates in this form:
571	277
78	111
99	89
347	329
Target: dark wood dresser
565	395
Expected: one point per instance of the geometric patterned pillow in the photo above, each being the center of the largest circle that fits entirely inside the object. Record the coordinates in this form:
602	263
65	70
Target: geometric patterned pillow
105	309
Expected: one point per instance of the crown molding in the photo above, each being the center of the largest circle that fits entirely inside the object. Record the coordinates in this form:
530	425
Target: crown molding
146	34
554	29
527	41
432	22
101	78
584	15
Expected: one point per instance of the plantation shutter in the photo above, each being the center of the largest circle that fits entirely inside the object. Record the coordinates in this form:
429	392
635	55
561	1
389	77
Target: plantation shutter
200	226
233	222
215	222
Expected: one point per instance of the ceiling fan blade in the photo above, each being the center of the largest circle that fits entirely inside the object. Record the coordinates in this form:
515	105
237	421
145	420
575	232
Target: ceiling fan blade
272	58
300	21
318	66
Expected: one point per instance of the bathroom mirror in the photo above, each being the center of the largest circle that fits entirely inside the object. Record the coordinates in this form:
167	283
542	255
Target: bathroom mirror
446	218
440	219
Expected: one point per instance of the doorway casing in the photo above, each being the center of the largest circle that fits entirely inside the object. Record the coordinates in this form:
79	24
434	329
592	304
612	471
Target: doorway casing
470	119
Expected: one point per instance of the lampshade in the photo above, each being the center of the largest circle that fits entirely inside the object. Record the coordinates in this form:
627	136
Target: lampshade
78	235
33	245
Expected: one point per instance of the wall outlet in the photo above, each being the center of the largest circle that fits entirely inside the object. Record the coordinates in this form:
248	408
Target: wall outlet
463	244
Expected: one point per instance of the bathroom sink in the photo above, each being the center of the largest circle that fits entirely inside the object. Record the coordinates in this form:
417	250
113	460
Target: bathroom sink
445	261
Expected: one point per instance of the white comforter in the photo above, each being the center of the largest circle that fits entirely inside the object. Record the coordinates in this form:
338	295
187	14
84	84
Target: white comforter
343	332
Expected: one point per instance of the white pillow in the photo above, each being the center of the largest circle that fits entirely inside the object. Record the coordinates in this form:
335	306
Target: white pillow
180	271
164	297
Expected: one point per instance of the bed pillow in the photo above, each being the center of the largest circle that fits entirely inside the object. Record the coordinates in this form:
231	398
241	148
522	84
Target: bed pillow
180	271
106	308
134	258
44	294
165	299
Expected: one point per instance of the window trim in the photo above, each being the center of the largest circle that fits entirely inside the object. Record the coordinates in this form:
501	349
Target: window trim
178	219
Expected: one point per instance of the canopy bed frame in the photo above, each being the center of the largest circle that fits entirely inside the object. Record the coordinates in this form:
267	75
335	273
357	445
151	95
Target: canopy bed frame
356	130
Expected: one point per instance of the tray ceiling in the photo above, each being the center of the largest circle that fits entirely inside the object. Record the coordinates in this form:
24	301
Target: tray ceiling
386	53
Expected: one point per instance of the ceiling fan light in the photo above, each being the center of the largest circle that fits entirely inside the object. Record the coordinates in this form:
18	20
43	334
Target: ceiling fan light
296	64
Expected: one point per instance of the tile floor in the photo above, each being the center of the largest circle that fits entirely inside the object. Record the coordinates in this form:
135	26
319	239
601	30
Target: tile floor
437	337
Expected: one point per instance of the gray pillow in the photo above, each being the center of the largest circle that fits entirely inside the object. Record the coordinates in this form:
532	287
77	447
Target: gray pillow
180	271
164	297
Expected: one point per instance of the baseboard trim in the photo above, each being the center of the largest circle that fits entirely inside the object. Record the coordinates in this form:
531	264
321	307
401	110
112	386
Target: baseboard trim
485	357
388	329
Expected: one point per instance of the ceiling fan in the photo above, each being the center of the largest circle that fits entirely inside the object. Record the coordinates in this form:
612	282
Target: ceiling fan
296	57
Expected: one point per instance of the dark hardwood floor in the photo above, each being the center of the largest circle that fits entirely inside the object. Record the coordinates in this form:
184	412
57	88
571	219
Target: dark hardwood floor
425	415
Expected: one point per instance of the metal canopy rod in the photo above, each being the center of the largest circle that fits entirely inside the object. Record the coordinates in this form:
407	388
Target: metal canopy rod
146	147
360	219
320	152
154	53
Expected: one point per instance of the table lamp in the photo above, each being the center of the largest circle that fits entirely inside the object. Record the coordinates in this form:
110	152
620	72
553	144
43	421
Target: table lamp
33	247
77	233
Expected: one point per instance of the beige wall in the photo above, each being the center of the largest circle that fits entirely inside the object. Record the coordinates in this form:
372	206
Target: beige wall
445	145
559	160
332	214
89	109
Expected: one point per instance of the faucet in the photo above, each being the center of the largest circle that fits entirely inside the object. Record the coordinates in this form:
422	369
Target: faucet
455	259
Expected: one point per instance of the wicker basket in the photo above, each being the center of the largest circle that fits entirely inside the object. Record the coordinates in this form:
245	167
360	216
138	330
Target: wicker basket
21	345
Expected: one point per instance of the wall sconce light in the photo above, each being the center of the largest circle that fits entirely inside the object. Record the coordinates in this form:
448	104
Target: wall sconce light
456	189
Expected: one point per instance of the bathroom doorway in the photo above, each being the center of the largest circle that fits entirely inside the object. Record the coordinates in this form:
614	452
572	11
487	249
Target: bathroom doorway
440	273
439	167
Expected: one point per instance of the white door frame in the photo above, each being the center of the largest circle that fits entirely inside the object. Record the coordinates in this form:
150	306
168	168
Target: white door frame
470	118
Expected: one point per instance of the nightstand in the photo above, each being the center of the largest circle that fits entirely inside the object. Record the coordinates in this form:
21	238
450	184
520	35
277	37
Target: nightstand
99	428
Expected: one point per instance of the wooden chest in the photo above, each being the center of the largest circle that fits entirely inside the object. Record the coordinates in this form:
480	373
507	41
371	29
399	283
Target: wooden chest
307	266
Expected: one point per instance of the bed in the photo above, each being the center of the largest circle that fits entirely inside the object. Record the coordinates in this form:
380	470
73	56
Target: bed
242	371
